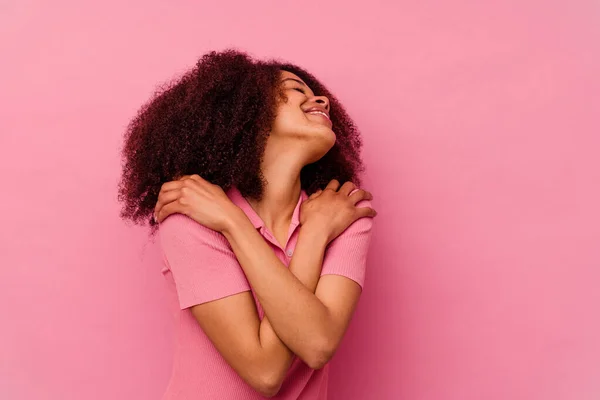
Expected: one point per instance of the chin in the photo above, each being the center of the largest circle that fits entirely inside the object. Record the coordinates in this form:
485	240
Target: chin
323	137
326	134
321	145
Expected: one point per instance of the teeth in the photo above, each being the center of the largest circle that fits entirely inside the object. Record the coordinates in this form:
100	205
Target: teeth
319	112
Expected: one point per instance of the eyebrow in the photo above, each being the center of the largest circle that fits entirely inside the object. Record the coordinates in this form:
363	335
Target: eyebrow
294	79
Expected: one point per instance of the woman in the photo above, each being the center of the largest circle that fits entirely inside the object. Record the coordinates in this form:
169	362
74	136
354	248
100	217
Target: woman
247	168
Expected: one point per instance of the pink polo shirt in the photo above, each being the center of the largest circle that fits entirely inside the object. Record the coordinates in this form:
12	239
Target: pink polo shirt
200	266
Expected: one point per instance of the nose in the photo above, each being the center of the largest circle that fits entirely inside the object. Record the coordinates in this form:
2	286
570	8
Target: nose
323	101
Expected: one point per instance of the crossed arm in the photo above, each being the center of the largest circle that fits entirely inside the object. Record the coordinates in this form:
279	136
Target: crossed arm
305	314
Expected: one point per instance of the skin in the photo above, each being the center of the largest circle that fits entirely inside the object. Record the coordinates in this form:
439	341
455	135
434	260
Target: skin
305	315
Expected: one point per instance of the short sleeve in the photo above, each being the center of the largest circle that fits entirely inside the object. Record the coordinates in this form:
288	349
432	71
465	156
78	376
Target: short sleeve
346	255
203	264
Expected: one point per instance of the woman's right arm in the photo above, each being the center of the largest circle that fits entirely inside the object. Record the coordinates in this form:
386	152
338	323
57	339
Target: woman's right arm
218	295
249	346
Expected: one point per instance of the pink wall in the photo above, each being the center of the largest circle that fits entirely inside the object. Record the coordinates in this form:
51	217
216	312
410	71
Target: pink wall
481	127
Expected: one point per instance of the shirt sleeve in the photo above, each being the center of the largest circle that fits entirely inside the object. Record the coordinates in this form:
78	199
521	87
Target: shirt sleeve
203	264
346	255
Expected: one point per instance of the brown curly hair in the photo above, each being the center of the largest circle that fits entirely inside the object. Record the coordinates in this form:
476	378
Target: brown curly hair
214	121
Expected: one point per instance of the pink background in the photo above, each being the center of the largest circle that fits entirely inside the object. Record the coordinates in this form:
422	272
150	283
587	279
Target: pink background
481	126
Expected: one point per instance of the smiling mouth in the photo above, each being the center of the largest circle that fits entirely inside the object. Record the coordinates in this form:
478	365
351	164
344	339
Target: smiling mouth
321	113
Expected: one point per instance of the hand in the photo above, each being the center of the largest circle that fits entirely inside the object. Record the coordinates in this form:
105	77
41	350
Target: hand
332	211
197	198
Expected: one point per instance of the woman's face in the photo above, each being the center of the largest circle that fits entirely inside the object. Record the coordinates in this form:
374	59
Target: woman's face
302	122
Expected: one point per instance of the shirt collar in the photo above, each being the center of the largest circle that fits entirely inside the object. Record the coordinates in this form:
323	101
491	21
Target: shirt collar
236	197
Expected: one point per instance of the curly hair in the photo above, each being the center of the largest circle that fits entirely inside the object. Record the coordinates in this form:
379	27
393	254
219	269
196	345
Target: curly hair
214	121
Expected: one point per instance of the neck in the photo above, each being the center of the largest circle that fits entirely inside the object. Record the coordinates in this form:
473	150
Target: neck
281	192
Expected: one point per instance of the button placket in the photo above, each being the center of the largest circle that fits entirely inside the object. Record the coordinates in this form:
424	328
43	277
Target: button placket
270	238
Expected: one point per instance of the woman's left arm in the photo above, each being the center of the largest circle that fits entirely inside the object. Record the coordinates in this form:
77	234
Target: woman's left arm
310	324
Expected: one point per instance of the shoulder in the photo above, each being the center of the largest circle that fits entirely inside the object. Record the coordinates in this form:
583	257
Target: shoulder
181	229
359	232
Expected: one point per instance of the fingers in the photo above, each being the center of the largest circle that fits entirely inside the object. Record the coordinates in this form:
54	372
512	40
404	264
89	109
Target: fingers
165	197
168	209
360	195
196	178
315	194
333	185
183	178
347	188
170	192
172	185
362	212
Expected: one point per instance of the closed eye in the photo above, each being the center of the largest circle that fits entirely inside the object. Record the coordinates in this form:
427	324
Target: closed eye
300	90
